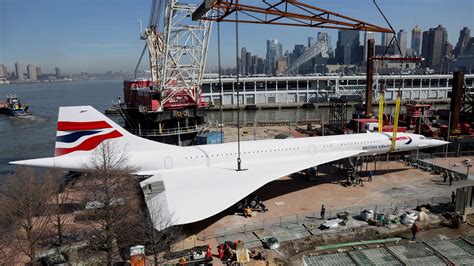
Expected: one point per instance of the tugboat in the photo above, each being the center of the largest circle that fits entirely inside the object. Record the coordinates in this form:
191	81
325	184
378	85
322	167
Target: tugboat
13	107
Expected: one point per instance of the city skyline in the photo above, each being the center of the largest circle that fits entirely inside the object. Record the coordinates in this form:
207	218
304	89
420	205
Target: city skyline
93	37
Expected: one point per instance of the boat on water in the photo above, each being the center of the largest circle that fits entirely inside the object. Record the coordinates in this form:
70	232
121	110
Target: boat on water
13	107
172	116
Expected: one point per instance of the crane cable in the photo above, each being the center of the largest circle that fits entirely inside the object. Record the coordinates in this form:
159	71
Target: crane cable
220	79
239	167
397	101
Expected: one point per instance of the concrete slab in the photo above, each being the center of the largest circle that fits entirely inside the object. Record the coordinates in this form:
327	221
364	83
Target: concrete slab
454	163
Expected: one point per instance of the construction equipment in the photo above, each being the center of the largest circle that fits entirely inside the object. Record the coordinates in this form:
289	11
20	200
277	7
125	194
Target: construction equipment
381	101
167	106
395	122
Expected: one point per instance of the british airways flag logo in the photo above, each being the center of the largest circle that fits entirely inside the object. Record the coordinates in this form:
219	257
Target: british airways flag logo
409	140
82	136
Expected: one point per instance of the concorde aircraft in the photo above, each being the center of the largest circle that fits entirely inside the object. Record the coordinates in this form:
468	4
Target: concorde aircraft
193	183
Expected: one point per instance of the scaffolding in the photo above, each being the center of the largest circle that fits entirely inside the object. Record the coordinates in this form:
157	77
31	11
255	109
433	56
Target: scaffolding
337	115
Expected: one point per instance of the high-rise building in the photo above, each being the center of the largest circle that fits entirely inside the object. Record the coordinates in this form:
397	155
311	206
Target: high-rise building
367	36
434	46
311	41
261	66
19	70
274	52
386	38
58	72
402	36
3	71
38	70
243	57
297	52
464	36
416	40
281	66
32	74
248	63
348	50
253	65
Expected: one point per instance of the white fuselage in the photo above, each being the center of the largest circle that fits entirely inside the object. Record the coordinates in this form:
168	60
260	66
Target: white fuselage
223	154
217	154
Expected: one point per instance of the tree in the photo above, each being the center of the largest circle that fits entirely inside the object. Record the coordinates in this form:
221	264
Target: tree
24	204
159	240
110	197
60	202
6	252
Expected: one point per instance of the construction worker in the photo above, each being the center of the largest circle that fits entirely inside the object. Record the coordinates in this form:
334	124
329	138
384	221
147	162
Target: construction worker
221	251
264	208
209	253
451	178
370	176
248	212
453	198
414	230
323	211
445	176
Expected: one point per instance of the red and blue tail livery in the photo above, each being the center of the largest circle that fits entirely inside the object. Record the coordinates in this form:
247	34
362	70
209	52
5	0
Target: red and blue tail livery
82	136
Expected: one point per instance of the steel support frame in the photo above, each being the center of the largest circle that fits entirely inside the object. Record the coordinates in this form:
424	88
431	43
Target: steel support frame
337	114
282	12
182	61
321	47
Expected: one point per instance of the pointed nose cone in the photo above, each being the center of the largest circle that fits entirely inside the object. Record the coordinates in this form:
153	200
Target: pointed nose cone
437	142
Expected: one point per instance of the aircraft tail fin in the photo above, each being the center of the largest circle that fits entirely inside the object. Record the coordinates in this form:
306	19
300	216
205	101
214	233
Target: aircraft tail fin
81	129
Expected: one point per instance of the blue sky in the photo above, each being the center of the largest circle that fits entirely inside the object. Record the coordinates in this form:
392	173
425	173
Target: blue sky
101	35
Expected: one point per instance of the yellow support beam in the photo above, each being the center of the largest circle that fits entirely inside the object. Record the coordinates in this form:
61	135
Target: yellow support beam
381	100
395	123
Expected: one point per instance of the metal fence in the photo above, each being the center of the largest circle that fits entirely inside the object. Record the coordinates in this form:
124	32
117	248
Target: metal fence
428	163
395	207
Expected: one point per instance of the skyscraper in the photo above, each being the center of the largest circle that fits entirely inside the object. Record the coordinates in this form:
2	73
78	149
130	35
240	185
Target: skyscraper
416	40
311	41
32	74
3	71
19	70
38	70
248	63
434	46
297	51
386	38
464	36
58	72
243	57
367	36
274	52
347	50
402	41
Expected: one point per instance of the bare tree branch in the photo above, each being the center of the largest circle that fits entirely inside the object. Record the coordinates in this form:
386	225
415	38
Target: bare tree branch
24	203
